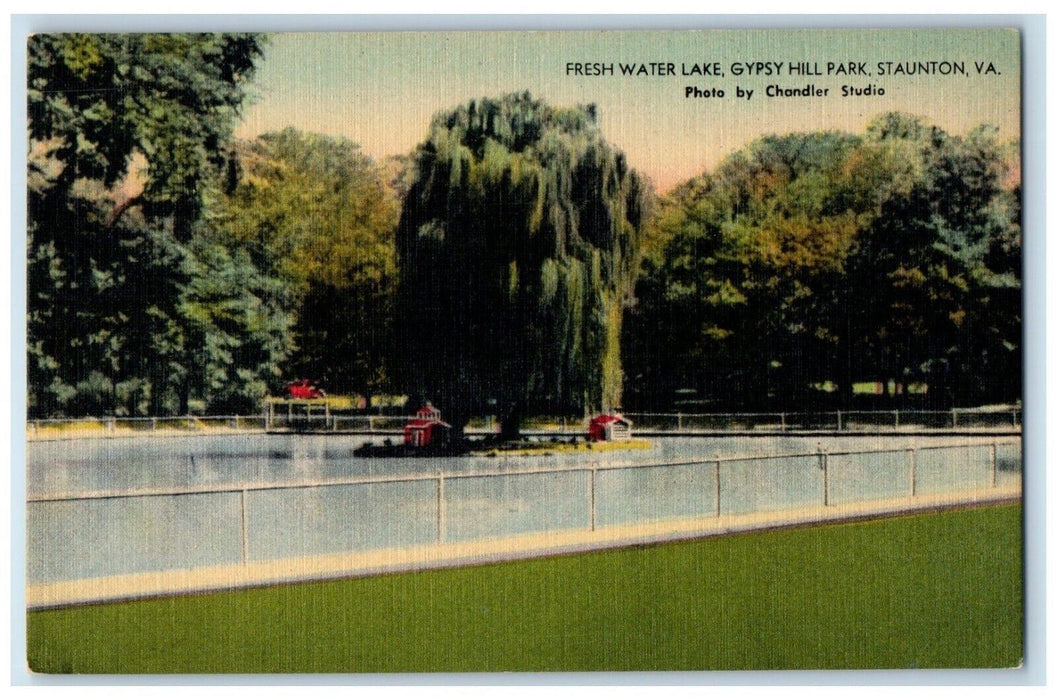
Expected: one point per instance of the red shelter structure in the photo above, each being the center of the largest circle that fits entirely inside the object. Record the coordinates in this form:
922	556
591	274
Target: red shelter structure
304	389
426	428
609	427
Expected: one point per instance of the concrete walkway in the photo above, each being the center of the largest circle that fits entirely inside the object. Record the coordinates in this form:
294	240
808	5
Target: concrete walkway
229	577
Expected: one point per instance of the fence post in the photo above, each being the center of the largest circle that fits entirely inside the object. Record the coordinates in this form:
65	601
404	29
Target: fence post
824	466
954	417
592	498
913	472
679	420
994	464
838	422
782	416
245	530
716	486
441	524
1014	417
896	418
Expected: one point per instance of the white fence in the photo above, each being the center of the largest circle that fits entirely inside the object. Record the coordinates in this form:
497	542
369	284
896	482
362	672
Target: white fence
51	428
959	419
79	536
840	421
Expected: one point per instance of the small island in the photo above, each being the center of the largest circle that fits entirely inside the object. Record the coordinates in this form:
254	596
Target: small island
490	447
427	435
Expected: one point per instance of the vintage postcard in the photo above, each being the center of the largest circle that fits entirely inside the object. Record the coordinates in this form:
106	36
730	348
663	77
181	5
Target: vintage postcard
474	351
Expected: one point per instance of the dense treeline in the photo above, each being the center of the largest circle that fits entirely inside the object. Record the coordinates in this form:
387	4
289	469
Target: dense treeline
319	217
514	262
808	262
130	309
173	269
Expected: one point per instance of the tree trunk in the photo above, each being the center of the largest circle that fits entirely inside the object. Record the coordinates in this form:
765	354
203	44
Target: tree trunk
458	422
510	424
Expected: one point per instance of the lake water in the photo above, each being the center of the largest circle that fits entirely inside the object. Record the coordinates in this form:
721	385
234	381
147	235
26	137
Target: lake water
83	536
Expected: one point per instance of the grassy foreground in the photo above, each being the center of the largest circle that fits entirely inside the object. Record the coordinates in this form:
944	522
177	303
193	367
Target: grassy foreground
936	590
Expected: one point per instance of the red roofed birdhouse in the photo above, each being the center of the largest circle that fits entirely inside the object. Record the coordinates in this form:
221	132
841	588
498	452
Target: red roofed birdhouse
426	428
608	427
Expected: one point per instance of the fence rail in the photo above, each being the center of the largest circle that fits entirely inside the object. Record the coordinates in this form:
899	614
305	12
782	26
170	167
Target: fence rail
956	418
125	531
110	425
317	418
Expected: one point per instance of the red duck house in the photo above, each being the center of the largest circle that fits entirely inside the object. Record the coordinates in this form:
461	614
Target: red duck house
426	429
608	428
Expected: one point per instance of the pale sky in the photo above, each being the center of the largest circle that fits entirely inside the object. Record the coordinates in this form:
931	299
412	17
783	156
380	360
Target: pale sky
382	89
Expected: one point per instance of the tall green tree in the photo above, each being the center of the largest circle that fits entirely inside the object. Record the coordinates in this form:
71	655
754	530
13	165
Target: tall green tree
517	249
320	216
938	270
128	138
804	259
735	298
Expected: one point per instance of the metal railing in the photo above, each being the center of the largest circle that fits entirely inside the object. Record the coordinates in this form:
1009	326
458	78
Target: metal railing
839	421
122	531
51	428
834	421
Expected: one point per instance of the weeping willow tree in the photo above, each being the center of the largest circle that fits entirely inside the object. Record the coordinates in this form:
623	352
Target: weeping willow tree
517	248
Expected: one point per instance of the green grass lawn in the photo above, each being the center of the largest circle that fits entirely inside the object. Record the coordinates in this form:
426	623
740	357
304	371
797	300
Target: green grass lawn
935	590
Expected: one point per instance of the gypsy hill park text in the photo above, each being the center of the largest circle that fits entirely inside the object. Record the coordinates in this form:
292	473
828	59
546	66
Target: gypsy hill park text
792	69
780	68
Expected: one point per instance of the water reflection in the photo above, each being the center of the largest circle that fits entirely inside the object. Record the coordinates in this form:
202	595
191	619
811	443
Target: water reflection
84	466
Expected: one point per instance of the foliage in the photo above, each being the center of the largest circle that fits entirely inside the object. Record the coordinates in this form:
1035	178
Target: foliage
517	247
128	140
318	214
829	257
171	268
733	299
95	100
938	270
231	316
